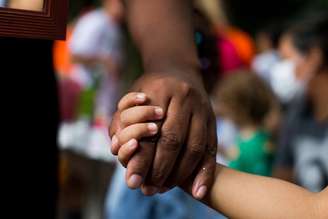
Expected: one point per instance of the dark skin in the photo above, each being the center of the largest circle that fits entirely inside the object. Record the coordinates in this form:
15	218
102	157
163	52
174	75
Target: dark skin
187	138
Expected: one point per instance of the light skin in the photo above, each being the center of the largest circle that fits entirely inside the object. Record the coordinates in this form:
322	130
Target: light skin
171	81
235	194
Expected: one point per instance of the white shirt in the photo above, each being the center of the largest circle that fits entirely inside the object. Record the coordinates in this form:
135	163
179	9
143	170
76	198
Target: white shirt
263	64
97	34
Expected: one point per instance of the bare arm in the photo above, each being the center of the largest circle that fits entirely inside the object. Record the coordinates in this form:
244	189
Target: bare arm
241	195
163	32
236	194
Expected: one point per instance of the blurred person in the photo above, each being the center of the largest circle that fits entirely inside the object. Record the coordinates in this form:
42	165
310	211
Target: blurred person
303	145
235	194
283	79
267	44
246	100
96	46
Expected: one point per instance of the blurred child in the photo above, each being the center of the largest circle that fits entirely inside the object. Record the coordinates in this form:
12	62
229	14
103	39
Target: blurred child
244	99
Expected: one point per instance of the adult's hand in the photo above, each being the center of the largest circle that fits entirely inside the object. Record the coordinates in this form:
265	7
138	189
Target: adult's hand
186	145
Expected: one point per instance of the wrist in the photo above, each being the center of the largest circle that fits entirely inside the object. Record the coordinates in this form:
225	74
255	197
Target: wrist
186	70
179	60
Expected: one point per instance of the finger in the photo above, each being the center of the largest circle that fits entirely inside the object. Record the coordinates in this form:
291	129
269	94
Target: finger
115	127
131	99
192	153
172	135
139	164
126	151
205	178
140	114
137	131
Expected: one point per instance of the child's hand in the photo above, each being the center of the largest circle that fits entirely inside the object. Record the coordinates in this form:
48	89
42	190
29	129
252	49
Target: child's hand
134	120
133	125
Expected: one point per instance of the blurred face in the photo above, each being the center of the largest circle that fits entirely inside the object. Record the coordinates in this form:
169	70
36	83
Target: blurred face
227	112
306	65
115	8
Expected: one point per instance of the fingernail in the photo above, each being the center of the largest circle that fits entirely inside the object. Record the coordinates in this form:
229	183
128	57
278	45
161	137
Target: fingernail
141	97
159	112
135	181
151	190
132	143
114	141
201	192
152	127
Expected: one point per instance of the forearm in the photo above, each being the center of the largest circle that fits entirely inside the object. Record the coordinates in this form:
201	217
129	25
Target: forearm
240	195
163	33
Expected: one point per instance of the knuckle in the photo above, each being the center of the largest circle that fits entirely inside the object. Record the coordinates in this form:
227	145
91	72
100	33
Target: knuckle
186	89
139	164
212	151
115	125
119	139
196	150
170	141
120	105
158	84
210	166
157	177
111	131
123	118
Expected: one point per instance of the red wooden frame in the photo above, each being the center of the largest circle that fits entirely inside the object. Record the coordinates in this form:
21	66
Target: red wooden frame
47	24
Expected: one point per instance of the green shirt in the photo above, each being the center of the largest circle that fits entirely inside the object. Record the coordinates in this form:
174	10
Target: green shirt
254	155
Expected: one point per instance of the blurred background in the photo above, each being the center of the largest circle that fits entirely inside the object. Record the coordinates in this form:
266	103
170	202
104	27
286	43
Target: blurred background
257	63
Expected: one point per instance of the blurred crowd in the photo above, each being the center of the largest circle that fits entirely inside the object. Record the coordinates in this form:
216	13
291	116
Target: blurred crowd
269	91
